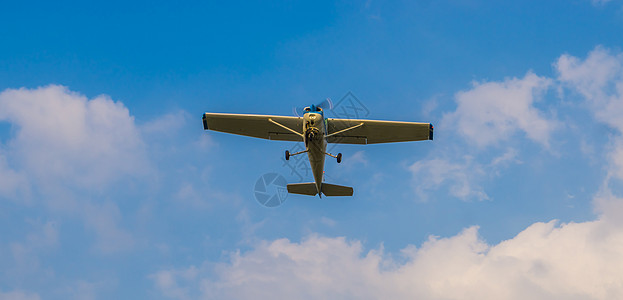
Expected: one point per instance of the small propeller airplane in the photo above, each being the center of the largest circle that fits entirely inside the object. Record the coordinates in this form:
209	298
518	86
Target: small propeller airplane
316	132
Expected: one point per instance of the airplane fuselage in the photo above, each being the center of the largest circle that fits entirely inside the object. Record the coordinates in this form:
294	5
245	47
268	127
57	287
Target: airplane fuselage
315	130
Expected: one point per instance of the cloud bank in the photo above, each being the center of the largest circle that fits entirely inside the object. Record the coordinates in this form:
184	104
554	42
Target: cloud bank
545	261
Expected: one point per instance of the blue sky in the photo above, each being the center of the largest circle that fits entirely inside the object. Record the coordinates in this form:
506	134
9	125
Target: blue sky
110	188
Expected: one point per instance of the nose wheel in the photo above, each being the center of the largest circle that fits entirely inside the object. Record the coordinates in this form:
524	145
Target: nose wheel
287	155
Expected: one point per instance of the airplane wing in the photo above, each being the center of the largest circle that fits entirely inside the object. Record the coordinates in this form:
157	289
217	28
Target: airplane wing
259	126
374	132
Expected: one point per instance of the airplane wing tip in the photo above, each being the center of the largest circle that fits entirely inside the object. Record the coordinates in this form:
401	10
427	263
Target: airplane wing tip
430	131
205	122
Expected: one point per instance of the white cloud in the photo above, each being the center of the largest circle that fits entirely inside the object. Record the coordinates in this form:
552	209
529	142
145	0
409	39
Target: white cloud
545	261
507	157
63	137
599	79
460	178
493	111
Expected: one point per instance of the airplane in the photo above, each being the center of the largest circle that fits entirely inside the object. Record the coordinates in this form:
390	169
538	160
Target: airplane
316	132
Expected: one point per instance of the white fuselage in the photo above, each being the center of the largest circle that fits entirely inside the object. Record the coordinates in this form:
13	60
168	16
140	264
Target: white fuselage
314	128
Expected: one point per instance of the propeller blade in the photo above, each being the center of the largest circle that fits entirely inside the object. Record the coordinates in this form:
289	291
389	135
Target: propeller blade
297	111
326	104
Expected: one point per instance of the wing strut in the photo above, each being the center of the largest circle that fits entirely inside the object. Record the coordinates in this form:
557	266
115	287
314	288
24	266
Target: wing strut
287	128
347	129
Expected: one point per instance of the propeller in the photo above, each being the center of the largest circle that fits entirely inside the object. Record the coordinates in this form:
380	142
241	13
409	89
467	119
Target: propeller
327	104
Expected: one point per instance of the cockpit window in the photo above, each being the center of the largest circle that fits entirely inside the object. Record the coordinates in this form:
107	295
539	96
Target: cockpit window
307	109
318	109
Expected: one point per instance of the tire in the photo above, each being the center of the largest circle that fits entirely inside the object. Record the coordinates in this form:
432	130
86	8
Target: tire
287	155
339	158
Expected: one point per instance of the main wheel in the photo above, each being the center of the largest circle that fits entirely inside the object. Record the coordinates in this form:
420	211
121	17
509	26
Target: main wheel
339	158
287	155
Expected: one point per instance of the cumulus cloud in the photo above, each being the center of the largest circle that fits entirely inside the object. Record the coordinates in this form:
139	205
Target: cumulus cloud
545	261
491	112
62	136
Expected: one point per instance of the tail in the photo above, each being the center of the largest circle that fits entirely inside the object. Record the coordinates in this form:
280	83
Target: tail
327	189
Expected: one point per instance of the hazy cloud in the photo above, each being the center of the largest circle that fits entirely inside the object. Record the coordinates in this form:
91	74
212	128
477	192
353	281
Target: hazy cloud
599	79
13	185
21	259
460	178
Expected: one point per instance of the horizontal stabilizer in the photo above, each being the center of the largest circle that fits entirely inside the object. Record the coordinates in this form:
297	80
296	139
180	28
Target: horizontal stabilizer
328	189
308	188
336	190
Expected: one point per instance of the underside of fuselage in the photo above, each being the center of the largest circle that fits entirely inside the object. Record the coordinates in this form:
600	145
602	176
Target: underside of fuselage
314	137
315	145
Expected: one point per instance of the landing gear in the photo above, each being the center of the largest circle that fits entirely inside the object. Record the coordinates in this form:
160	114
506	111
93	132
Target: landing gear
288	154
338	156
